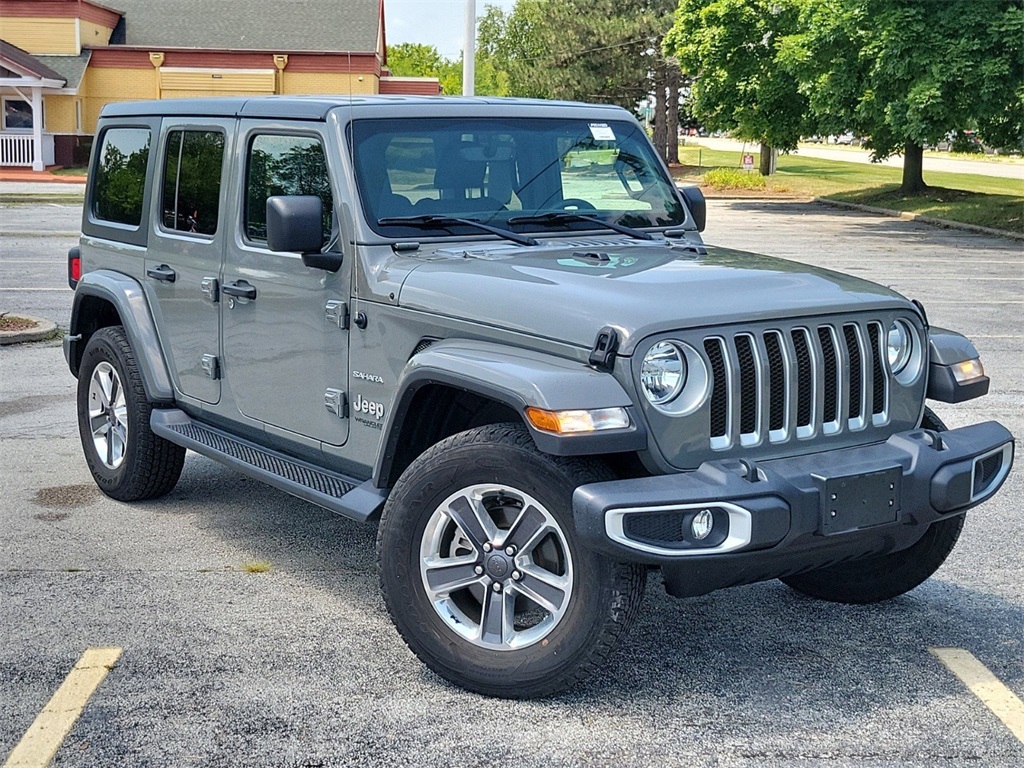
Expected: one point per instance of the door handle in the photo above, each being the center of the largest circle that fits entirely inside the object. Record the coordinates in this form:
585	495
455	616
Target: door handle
240	289
163	273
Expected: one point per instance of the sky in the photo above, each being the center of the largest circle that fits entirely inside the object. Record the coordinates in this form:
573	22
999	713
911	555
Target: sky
439	23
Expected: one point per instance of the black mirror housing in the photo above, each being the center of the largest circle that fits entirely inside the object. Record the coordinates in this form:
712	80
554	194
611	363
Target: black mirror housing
694	200
327	260
295	223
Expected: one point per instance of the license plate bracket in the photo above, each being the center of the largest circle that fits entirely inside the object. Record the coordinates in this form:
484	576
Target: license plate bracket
853	502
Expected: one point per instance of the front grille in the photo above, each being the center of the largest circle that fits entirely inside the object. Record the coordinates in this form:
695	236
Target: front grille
778	384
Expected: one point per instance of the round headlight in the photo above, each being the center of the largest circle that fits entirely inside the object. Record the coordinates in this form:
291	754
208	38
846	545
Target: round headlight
900	345
662	373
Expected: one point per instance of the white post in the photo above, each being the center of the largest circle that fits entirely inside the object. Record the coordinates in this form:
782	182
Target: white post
469	52
37	129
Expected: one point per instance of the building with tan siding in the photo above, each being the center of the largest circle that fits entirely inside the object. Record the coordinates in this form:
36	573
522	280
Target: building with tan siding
61	61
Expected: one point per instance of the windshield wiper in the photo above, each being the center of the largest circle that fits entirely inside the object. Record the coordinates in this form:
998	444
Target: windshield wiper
560	216
444	222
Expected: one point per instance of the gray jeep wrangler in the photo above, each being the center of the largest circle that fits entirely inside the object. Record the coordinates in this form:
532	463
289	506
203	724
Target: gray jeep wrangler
492	328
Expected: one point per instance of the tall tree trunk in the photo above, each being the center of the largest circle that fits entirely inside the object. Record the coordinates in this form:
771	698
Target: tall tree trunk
675	78
765	163
660	128
913	178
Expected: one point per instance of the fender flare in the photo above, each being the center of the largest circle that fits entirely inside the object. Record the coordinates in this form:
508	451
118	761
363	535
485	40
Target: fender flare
129	300
517	378
946	349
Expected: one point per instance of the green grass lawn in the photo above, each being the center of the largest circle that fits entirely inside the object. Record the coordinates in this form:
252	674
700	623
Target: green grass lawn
973	199
78	170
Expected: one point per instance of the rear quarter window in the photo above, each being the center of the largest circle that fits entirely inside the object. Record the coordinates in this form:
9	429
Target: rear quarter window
119	184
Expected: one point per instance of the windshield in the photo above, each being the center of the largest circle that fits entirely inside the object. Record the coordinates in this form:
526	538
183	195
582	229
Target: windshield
508	173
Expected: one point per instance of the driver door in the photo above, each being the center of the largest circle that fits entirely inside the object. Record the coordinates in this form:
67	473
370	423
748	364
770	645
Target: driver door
284	341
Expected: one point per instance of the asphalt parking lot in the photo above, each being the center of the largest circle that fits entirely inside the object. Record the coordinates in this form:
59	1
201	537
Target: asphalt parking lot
253	633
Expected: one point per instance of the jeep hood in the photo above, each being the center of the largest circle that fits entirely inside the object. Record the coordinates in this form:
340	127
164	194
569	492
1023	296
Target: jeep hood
569	292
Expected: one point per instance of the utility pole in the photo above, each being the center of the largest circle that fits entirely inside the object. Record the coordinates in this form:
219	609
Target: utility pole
469	50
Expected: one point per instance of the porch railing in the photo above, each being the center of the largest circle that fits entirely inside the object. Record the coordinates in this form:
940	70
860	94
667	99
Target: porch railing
16	149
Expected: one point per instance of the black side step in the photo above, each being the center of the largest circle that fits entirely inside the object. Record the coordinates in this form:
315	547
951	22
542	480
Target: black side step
338	493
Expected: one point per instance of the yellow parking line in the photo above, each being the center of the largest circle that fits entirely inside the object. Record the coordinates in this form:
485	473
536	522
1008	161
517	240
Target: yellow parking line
986	686
44	737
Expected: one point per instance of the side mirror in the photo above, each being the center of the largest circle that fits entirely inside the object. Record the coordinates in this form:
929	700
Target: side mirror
694	200
295	223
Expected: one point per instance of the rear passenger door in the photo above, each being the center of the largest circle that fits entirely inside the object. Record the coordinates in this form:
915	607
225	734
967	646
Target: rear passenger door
186	246
285	347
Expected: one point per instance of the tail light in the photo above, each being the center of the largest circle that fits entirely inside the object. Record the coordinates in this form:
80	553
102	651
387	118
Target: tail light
74	266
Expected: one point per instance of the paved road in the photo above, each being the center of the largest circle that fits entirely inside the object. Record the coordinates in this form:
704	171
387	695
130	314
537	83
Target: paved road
299	666
1008	169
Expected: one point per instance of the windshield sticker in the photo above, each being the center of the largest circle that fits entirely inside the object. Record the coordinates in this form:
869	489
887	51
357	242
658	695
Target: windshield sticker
602	132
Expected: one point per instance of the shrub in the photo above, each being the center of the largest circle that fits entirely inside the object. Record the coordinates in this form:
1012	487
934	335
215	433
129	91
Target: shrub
732	178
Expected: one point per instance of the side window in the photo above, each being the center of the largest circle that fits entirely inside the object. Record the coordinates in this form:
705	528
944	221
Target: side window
191	191
284	165
121	175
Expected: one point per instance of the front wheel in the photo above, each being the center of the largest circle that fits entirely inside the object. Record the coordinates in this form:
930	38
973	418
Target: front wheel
880	578
482	572
127	461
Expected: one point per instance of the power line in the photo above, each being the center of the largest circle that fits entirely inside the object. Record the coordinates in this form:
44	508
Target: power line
585	50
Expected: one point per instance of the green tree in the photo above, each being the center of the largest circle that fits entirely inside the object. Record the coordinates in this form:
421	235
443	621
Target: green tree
904	73
730	49
418	60
583	50
588	50
512	42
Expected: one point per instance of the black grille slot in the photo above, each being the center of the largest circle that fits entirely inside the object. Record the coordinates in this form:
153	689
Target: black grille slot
804	379
878	374
855	382
985	472
655	528
776	380
748	384
830	362
719	388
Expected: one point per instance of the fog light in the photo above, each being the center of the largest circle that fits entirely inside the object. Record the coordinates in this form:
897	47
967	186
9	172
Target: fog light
702	524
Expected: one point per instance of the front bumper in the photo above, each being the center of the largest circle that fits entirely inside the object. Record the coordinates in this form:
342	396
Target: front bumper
785	516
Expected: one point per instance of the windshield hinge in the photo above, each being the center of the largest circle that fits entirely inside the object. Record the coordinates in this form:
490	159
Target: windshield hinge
602	354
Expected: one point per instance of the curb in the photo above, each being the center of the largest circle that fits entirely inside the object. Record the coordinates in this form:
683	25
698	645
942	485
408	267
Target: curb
43	329
910	216
42	198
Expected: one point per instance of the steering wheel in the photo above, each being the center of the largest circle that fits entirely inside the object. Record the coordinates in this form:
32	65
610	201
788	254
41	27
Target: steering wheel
575	203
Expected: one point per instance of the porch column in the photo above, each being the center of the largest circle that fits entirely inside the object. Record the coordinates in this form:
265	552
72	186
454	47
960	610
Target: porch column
37	128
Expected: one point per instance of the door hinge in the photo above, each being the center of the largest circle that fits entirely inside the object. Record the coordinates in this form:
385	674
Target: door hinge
212	366
337	313
336	402
602	354
210	288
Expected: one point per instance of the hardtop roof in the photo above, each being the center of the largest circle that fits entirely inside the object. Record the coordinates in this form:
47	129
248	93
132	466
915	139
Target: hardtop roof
318	107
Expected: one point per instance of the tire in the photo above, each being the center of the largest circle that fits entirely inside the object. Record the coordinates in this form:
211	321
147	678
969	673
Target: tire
558	609
875	579
127	461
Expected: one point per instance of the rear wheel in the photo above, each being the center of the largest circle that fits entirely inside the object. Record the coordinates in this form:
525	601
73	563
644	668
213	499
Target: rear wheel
874	579
482	572
127	461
